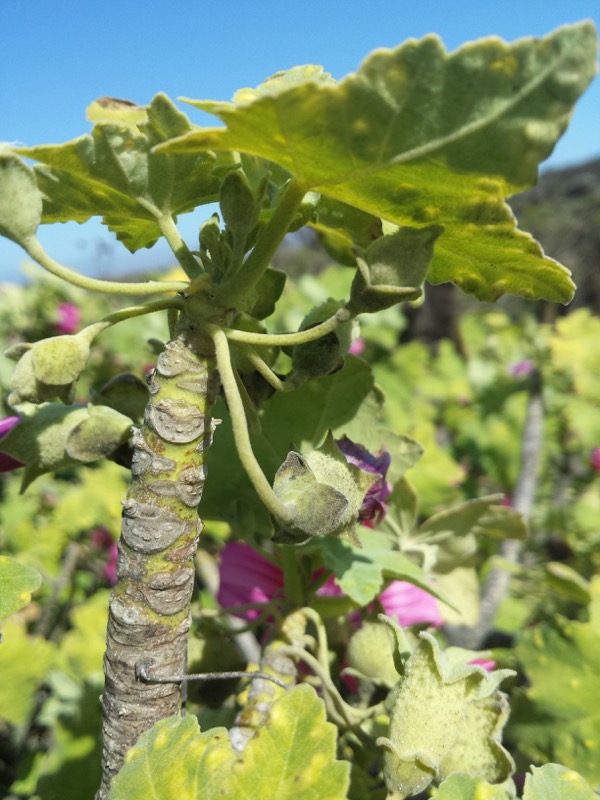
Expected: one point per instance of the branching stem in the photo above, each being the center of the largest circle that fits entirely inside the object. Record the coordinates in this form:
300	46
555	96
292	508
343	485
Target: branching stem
138	311
240	427
284	339
260	365
34	249
182	253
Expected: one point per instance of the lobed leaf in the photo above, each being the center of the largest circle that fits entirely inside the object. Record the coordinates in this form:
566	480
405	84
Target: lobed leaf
290	757
558	717
418	136
17	582
361	573
555	782
114	173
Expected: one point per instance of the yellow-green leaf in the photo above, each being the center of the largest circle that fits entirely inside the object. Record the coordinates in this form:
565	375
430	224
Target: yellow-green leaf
17	582
418	136
290	757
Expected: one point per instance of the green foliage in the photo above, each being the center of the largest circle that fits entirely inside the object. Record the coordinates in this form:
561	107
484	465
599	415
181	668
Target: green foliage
403	170
412	134
554	782
550	782
292	755
18	581
557	718
24	662
115	173
361	573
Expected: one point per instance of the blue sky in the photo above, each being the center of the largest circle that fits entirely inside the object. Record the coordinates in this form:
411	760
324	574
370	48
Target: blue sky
59	55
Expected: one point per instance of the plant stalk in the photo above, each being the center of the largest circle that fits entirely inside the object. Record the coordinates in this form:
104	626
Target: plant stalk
149	613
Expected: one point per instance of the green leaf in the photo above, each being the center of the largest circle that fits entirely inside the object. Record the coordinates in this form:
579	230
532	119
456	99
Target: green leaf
198	763
558	717
290	757
82	647
71	767
454	530
468	787
114	173
555	782
24	663
17	582
361	573
20	199
419	136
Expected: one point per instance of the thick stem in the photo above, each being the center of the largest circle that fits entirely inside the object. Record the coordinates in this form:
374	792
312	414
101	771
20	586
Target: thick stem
149	613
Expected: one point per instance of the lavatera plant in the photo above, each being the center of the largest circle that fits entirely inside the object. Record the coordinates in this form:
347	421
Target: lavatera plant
403	170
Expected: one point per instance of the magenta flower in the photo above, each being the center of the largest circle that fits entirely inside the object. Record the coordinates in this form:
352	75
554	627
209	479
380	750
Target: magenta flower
357	347
8	463
595	459
410	605
247	577
486	663
101	539
521	368
69	317
373	508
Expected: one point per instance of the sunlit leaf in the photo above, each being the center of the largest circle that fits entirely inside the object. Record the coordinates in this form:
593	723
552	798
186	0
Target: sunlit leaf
558	717
290	757
113	172
419	136
24	663
361	573
555	782
17	582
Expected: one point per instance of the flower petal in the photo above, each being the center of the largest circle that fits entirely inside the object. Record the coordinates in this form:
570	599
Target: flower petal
247	577
410	605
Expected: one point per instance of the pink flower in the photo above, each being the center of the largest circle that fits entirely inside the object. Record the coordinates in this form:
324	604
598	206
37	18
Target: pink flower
521	368
102	539
247	577
595	459
409	605
8	463
487	664
69	317
373	508
357	347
